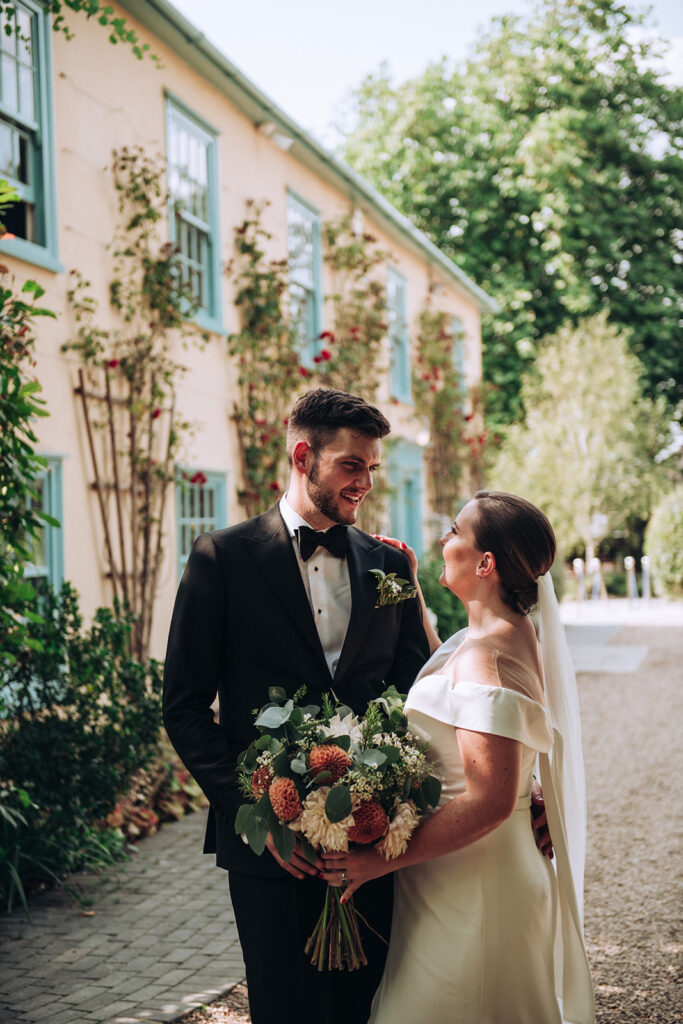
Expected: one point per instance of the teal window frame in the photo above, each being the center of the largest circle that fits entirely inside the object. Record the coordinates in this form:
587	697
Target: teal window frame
399	338
406	474
308	341
185	225
50	568
40	190
200	507
459	352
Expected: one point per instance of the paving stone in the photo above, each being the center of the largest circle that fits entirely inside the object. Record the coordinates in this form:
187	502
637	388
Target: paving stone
161	941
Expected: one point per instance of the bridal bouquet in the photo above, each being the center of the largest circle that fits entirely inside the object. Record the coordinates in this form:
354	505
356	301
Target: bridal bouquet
330	779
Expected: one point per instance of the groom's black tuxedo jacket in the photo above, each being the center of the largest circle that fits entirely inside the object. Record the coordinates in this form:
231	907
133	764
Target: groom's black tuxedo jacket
242	623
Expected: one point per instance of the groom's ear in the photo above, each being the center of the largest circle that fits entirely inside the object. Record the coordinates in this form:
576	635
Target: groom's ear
301	456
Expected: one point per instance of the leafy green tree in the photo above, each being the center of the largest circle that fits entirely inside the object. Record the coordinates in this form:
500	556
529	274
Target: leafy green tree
20	405
664	544
549	168
586	451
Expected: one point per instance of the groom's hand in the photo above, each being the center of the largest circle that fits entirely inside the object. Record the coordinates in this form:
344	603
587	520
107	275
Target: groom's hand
297	865
539	822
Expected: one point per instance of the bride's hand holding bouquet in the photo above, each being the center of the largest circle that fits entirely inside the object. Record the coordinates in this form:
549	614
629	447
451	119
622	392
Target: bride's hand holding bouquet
319	781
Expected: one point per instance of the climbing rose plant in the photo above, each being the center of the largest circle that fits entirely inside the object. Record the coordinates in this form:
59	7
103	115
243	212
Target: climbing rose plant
459	444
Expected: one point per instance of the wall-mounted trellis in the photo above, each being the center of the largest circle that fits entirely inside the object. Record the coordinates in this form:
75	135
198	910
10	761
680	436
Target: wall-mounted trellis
131	484
127	384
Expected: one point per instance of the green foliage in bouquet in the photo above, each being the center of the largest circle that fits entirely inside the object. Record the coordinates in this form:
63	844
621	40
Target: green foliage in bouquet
330	779
378	765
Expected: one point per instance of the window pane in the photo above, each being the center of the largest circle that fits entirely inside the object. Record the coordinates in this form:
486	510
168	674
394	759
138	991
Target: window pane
8	166
24	37
188	155
26	103
9	40
23	146
9	83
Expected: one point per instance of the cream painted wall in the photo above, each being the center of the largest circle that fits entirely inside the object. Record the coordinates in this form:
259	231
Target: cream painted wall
104	99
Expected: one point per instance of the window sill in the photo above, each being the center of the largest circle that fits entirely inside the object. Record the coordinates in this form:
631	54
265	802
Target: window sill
29	252
210	323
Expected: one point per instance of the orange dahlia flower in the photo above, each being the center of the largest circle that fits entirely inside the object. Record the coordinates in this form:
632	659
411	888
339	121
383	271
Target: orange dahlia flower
329	758
284	799
369	822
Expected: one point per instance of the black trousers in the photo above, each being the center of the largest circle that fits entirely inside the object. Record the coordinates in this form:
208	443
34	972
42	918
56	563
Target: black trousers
274	919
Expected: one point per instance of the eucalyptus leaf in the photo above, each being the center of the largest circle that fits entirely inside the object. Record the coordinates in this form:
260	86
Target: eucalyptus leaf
397	718
420	799
321	778
338	804
284	839
281	763
342	741
373	757
257	833
431	787
273	717
392	754
277	693
244	818
298	764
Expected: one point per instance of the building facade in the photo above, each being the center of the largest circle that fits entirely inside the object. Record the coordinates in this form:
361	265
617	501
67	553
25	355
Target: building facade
65	106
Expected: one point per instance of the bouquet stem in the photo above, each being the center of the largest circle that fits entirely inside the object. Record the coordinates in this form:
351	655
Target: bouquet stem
335	942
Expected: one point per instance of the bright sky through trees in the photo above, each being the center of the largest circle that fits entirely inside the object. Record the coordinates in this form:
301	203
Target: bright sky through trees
308	54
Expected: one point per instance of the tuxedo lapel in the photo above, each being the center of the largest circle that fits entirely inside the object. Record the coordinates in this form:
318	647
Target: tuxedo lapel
363	554
271	549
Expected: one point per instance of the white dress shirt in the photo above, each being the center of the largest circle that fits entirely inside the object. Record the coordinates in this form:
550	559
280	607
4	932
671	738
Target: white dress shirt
328	587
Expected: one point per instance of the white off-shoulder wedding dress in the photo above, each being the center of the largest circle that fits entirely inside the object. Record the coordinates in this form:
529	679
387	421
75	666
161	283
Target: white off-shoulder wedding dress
473	938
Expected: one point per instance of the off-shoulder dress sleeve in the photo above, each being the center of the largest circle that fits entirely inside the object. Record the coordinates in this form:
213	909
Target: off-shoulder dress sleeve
482	708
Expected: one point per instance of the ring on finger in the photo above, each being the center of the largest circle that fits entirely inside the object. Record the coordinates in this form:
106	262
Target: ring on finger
344	878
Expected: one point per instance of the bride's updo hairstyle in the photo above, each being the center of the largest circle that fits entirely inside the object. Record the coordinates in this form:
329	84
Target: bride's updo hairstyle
522	541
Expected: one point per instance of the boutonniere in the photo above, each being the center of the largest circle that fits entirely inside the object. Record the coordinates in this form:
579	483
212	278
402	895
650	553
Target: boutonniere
391	589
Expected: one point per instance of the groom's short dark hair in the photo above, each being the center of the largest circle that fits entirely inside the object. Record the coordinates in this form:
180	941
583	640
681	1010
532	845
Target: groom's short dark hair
318	415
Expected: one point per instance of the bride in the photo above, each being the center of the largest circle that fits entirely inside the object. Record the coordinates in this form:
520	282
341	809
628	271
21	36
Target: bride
485	931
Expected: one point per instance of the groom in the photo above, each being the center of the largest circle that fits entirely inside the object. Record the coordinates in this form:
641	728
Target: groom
283	599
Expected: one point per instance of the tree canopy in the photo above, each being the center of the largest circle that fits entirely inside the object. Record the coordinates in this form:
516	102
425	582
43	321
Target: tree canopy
549	168
586	451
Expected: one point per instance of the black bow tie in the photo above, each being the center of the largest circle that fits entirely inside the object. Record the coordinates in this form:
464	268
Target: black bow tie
333	539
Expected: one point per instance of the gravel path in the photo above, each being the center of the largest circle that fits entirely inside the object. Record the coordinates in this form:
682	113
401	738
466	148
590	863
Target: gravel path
634	763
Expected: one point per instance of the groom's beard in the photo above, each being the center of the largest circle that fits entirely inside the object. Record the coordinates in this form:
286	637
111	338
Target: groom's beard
328	502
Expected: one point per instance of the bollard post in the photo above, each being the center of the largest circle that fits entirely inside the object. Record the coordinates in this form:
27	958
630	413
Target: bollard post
594	569
577	566
631	584
645	581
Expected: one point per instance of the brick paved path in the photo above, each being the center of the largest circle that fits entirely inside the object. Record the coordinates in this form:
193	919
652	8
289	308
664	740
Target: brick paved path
162	940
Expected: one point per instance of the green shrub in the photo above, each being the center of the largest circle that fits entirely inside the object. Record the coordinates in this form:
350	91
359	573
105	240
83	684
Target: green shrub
615	582
449	610
664	544
82	716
